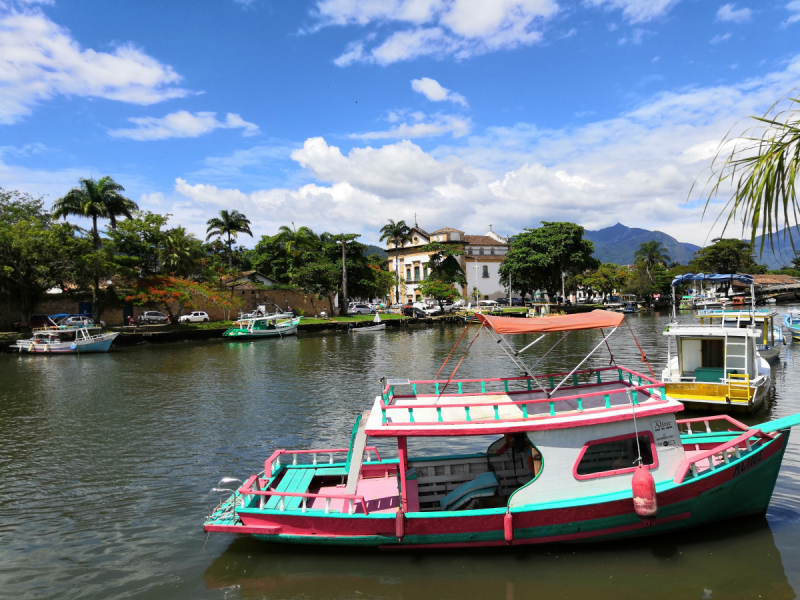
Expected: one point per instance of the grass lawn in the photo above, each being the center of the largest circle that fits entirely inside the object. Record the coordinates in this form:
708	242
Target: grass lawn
352	319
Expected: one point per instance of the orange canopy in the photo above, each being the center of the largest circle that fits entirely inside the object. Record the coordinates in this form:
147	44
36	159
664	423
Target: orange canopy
596	319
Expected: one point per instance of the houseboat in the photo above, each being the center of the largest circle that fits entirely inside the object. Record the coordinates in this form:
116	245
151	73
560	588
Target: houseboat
67	339
588	454
711	366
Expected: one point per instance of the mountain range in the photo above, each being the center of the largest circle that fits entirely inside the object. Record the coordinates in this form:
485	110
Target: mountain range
618	243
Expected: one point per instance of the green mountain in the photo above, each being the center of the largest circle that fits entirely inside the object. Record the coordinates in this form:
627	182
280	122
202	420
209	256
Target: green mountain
617	244
375	250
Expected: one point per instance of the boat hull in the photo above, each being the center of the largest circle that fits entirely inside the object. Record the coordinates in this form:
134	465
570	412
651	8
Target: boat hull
75	347
742	487
254	335
713	397
370	329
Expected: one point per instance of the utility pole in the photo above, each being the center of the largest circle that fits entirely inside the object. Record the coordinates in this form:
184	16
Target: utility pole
508	243
343	239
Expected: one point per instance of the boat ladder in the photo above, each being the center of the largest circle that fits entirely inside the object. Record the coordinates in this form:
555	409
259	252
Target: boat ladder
739	387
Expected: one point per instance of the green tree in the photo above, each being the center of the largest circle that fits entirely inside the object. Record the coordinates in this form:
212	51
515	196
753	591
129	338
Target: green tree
397	234
538	257
137	242
343	238
606	278
725	256
270	258
180	252
762	166
35	253
438	290
95	200
651	253
229	224
320	278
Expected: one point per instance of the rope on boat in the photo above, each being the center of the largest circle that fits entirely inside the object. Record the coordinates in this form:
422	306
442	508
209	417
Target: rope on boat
610	353
459	364
451	351
644	356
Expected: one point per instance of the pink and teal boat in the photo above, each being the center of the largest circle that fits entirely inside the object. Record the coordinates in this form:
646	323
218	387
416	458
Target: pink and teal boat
588	454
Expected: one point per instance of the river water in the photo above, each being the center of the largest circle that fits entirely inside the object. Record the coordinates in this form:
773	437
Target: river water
106	461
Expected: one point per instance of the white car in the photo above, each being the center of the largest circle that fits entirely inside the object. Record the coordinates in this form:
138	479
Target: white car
432	310
197	316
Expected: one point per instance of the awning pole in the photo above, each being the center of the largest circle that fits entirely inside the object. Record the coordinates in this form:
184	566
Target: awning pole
517	361
518	352
605	337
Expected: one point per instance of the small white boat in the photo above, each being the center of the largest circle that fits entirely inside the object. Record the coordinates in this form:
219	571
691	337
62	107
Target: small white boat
379	326
66	339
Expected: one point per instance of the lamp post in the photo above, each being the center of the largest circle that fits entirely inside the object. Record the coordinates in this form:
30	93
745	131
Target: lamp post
476	279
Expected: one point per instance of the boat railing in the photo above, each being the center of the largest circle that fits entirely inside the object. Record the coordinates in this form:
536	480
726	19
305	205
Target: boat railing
740	446
249	490
643	384
275	458
706	421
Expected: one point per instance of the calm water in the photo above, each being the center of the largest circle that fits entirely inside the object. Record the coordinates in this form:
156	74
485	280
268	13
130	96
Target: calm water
106	461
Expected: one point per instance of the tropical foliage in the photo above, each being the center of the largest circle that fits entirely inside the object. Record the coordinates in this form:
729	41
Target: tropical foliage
762	167
605	279
650	254
228	224
396	234
174	293
726	256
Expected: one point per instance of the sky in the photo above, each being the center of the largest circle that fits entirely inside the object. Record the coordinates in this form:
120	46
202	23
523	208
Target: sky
342	114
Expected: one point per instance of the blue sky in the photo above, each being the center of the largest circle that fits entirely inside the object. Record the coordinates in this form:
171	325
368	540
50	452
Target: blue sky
340	114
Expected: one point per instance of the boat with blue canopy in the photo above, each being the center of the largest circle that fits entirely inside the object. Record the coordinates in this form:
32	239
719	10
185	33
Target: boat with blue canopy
792	322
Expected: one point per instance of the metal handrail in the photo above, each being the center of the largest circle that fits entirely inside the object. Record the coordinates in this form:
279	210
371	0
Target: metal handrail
276	456
304	495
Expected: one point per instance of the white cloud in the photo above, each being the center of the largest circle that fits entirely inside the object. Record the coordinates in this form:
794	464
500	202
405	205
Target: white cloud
182	124
438	125
636	11
794	8
728	12
461	28
720	38
39	60
432	90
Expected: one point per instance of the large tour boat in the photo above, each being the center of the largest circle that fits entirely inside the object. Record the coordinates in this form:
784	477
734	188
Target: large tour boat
588	454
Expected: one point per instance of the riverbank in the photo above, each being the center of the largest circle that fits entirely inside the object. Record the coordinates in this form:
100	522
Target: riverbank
195	332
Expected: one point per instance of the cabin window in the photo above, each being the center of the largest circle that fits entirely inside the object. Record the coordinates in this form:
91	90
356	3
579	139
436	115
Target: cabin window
713	352
612	456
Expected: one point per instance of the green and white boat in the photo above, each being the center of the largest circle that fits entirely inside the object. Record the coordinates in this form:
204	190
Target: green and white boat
277	325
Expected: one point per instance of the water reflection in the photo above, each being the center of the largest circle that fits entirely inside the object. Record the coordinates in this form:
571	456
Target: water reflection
106	461
687	565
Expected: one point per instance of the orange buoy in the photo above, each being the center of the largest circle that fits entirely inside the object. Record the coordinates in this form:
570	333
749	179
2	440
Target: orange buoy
400	525
644	494
508	527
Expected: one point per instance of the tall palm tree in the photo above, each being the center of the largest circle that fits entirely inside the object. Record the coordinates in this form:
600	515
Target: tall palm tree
296	240
764	166
230	224
651	253
95	200
398	234
179	253
343	238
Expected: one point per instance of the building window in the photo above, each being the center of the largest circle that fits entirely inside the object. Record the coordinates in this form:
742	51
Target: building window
408	274
425	272
416	273
491	251
480	251
485	271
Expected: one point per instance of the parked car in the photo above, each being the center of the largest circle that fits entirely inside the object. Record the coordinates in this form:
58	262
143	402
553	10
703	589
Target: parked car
432	311
151	316
487	303
517	302
76	320
503	301
412	311
197	316
361	309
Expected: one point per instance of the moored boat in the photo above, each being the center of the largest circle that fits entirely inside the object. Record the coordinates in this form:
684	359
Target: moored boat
572	449
714	366
277	325
763	319
792	322
378	325
67	339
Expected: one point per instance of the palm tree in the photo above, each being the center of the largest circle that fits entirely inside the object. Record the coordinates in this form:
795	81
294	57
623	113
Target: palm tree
397	234
99	199
343	238
764	170
651	253
179	252
230	224
296	240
